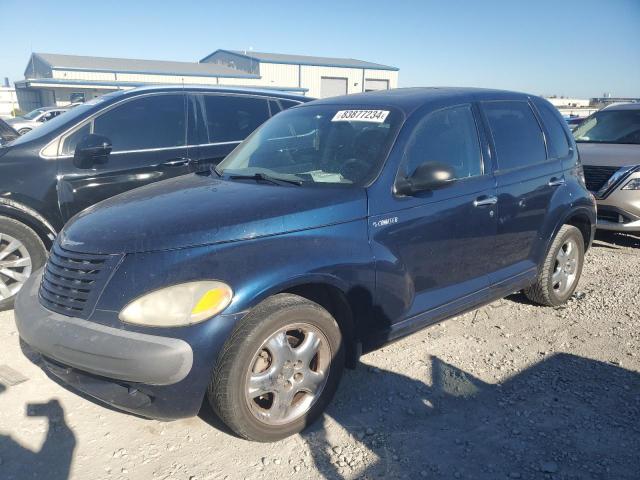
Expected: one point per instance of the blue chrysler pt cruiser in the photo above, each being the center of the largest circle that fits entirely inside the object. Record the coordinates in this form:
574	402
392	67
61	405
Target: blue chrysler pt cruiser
338	226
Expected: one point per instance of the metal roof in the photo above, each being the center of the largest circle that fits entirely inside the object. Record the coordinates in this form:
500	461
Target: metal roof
305	60
130	65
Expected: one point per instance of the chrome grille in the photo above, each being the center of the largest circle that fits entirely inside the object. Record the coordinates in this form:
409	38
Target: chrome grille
597	176
72	281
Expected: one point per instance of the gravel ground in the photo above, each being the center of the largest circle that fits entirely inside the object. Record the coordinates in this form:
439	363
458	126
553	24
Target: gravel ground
509	391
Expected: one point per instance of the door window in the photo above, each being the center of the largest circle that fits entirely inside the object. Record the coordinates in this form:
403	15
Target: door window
447	136
156	121
232	118
69	144
288	104
557	140
516	134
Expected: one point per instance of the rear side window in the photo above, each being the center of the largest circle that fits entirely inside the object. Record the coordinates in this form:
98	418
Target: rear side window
288	104
557	140
516	134
157	121
447	136
233	118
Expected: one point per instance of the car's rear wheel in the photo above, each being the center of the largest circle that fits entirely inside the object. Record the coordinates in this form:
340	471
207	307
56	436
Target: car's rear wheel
21	253
560	273
278	370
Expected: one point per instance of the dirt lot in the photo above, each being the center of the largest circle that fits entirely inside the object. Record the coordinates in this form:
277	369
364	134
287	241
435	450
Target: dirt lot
509	391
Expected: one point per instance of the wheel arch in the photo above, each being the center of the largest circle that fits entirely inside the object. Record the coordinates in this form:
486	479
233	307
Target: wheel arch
30	218
333	295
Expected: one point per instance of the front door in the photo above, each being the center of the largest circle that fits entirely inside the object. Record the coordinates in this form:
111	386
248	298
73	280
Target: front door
227	120
148	137
434	250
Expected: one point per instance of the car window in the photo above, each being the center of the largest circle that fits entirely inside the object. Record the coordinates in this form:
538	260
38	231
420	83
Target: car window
274	106
323	144
516	133
447	136
610	126
232	118
70	143
288	104
557	140
156	121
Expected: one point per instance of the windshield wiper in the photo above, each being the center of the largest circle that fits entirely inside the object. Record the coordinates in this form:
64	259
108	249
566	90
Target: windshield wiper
267	178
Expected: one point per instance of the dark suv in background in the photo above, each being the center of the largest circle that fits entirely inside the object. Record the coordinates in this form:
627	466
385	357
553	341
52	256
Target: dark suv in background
107	146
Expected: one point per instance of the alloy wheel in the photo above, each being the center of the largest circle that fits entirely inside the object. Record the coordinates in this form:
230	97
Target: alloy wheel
288	374
15	266
566	267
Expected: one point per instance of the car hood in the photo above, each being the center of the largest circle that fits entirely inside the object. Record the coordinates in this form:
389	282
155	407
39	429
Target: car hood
200	209
609	154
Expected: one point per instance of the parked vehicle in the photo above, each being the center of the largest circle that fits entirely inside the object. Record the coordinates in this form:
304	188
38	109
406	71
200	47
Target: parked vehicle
7	133
609	145
35	118
335	228
574	122
107	146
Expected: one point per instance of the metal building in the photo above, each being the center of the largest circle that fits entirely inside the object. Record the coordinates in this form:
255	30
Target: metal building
54	79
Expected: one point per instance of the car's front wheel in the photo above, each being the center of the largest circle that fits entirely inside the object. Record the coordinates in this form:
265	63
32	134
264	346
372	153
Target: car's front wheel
278	370
561	270
21	253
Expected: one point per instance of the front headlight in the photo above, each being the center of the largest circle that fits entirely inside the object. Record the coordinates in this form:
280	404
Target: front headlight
178	305
633	184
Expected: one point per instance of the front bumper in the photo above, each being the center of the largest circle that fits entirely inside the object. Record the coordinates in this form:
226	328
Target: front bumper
98	349
150	375
619	210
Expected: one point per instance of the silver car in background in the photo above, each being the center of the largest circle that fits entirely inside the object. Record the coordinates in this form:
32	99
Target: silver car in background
34	118
609	146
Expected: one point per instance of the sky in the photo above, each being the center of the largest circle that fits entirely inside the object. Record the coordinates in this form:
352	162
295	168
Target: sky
576	48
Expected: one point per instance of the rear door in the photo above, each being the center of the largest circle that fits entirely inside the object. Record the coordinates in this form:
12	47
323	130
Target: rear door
226	121
526	180
148	137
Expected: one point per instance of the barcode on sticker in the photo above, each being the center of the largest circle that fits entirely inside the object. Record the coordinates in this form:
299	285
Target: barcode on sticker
375	116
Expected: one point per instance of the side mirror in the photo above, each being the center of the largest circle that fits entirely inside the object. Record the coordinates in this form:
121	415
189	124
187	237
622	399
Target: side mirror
428	176
92	150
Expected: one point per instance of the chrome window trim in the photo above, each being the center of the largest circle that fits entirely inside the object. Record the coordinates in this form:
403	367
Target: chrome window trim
60	138
165	148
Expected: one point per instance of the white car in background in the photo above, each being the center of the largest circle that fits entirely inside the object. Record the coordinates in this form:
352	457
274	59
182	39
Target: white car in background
34	118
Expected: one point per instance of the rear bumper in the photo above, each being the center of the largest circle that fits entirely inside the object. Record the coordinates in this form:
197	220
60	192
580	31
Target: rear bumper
98	349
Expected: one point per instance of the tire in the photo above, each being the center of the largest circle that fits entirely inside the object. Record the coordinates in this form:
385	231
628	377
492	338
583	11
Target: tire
563	263
22	131
21	253
252	350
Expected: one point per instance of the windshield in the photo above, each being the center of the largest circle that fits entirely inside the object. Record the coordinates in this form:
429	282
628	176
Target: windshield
32	114
610	126
317	145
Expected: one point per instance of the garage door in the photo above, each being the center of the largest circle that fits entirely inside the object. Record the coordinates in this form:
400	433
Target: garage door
332	86
372	85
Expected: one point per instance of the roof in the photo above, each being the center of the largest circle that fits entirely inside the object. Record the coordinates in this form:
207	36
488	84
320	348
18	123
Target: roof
130	65
409	99
623	106
304	60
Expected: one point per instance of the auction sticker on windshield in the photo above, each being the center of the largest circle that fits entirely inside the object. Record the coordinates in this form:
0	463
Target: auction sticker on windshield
375	116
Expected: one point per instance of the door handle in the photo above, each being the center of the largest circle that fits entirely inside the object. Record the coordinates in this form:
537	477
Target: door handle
178	162
485	200
556	182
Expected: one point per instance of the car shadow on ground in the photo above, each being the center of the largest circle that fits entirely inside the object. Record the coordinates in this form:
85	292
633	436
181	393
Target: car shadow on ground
565	417
52	461
616	240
